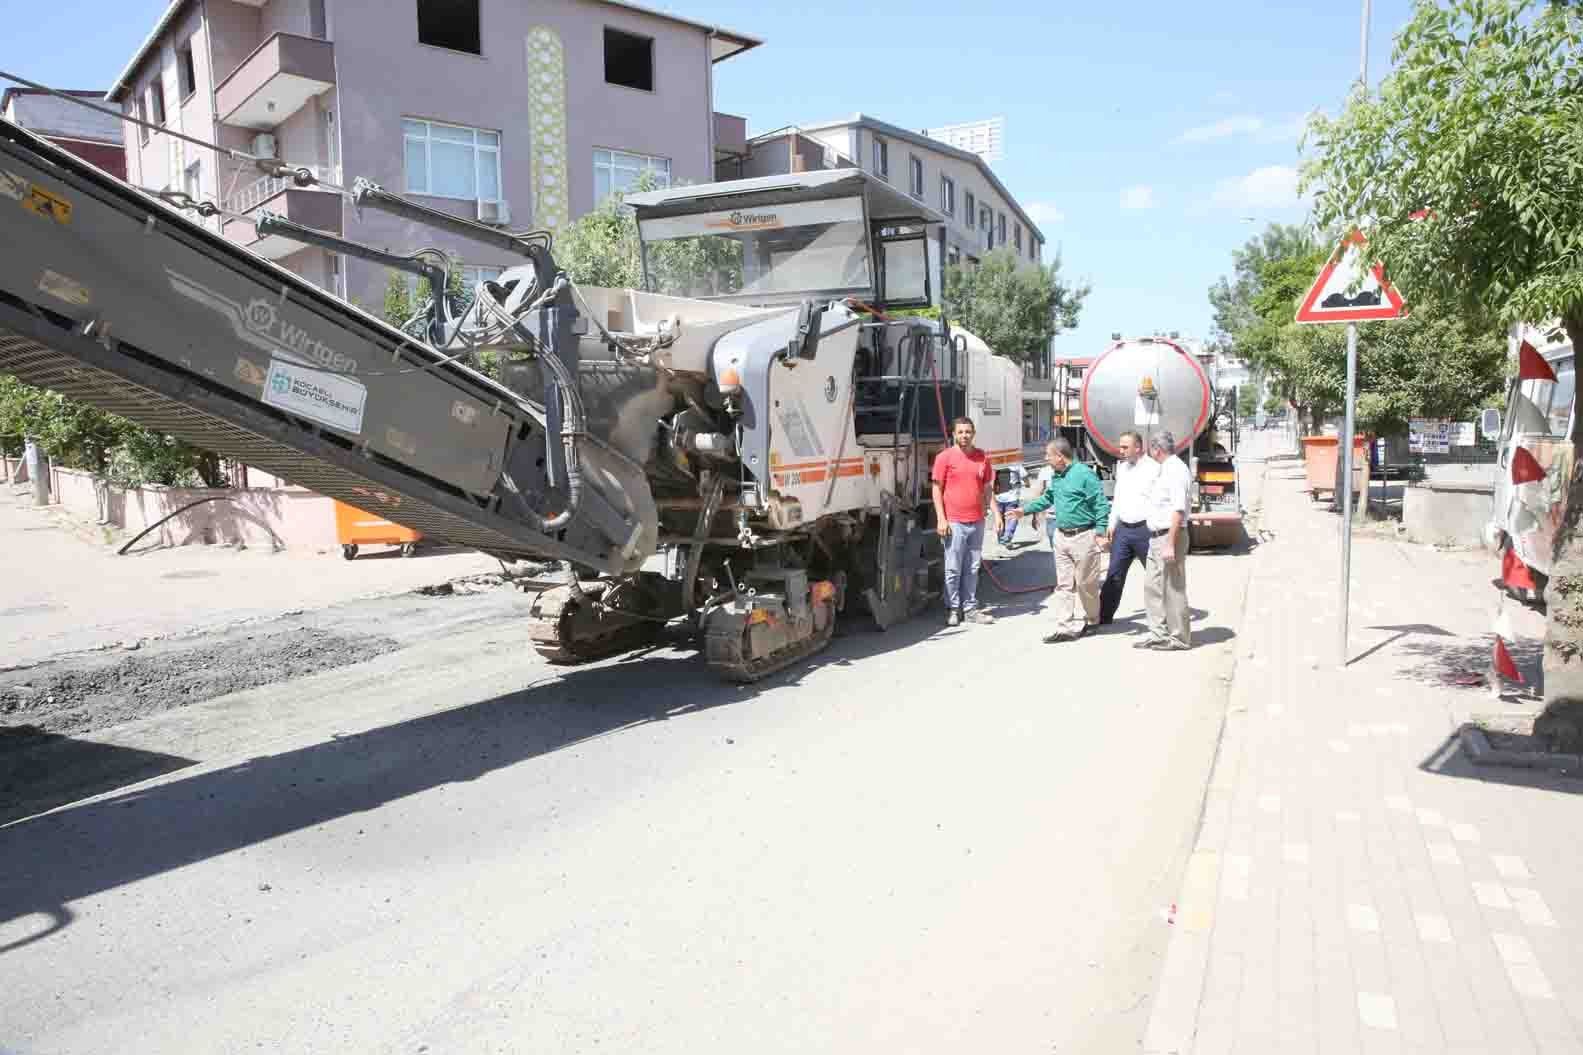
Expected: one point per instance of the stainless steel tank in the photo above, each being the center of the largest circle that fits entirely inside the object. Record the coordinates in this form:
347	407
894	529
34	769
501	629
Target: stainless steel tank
1145	384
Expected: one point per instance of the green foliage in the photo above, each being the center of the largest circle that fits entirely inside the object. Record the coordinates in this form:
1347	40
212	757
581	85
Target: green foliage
600	248
1436	363
1015	307
1247	400
1468	166
402	299
78	436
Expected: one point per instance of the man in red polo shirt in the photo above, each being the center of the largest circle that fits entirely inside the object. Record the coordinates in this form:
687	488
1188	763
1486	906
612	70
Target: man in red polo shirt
964	489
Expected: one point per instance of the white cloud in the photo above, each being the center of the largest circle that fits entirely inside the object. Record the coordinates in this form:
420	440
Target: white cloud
1221	129
1045	212
1284	131
1269	187
1138	197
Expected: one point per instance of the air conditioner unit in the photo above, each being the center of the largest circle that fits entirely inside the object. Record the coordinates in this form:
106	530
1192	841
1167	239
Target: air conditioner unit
264	145
494	212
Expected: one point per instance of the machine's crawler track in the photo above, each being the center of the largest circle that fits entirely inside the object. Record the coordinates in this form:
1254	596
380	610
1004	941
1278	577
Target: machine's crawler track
727	639
568	628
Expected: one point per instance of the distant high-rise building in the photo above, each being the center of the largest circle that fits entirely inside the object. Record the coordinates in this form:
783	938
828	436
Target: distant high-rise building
985	138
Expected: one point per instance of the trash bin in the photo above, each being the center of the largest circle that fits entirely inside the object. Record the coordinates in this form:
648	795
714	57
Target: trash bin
1320	454
354	528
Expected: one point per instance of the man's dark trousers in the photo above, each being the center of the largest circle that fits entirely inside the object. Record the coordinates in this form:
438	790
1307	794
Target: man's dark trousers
1127	545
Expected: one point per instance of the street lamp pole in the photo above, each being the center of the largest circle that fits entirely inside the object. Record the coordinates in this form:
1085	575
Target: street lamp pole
1344	484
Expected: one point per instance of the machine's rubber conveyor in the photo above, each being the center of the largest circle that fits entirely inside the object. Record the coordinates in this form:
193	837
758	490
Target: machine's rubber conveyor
109	296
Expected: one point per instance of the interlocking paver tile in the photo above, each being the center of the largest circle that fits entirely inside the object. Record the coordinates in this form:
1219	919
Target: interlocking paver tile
1376	892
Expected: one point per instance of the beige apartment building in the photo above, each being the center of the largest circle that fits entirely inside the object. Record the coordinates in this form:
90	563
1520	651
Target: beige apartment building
981	214
518	115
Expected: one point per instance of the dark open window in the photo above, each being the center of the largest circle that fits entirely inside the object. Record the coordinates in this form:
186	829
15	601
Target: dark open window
629	60
450	24
184	70
156	102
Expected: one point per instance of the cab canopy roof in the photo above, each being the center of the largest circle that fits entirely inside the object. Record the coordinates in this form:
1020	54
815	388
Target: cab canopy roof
882	201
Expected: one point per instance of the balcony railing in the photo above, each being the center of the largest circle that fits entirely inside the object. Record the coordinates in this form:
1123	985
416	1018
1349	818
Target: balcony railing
261	190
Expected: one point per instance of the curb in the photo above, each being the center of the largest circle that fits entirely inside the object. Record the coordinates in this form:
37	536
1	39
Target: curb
1480	752
1173	1016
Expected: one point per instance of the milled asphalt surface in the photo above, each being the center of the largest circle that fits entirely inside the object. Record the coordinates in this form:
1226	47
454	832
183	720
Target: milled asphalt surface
927	840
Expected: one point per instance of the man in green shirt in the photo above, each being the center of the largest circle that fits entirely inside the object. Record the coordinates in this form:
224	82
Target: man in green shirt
1080	514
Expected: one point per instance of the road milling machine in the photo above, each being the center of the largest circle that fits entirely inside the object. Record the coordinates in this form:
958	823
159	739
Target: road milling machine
745	442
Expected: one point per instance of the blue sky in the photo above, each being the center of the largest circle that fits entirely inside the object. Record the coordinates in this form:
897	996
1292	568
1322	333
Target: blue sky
1138	136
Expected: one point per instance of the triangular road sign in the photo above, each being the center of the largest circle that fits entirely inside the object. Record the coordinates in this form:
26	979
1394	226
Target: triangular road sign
1332	298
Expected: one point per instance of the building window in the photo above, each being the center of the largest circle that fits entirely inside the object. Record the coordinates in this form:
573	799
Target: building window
882	159
156	101
629	60
451	161
969	210
185	73
947	196
1033	248
140	112
1017	237
616	172
954	257
1000	230
192	179
450	24
986	223
915	176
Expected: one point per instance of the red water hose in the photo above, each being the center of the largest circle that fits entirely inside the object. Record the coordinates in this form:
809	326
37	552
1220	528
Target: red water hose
939	402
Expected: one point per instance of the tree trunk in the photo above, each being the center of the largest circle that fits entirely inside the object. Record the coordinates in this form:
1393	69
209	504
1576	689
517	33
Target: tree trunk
1561	723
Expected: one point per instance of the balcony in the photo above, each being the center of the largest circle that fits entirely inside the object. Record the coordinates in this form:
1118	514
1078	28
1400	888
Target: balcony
311	208
731	135
276	81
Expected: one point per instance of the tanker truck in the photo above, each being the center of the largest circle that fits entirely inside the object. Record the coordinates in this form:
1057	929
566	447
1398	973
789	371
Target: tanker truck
1150	384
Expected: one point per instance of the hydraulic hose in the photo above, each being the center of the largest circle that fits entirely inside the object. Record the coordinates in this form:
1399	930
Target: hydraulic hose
573	422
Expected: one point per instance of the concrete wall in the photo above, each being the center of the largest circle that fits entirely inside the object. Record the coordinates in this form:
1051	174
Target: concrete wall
1446	514
257	517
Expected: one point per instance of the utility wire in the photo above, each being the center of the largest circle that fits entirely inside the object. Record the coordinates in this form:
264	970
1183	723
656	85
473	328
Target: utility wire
302	174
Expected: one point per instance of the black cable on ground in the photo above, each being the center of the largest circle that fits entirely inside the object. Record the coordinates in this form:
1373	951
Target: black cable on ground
212	498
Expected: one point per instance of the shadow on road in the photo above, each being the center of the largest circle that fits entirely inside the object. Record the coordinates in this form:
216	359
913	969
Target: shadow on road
1461	660
85	850
1397	633
41	770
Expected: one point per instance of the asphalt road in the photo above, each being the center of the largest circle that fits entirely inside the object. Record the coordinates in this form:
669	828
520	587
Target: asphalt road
931	840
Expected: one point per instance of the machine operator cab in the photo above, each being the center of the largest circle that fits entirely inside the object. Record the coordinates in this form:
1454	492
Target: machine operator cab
838	238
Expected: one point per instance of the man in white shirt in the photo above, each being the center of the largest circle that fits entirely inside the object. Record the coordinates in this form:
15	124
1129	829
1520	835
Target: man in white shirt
1165	588
1129	516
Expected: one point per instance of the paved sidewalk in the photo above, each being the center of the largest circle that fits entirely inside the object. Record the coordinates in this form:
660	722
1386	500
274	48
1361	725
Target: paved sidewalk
61	592
1357	885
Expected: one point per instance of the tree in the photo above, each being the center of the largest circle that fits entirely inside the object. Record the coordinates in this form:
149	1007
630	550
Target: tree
79	436
600	248
1015	307
1248	399
1438	362
1253	317
1469	169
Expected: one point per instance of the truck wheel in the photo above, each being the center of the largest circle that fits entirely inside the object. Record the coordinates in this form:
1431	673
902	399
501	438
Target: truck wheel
349	551
409	549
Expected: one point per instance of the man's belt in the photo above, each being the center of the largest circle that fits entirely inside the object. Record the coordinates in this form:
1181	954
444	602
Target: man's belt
1076	530
1132	525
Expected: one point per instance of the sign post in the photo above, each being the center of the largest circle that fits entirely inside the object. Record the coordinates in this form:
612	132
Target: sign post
1346	291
